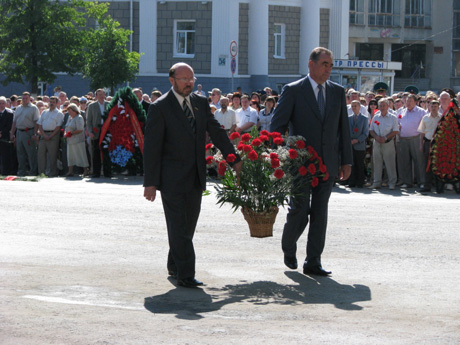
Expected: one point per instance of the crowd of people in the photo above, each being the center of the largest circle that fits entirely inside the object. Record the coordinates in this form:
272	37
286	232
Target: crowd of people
391	134
55	135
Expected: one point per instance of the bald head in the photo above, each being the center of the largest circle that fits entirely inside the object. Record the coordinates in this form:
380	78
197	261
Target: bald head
182	78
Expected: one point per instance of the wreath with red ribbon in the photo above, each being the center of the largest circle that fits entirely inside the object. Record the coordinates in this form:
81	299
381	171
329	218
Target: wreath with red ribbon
122	139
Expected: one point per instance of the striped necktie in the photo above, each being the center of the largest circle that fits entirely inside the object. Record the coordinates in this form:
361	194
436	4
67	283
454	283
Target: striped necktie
188	114
321	100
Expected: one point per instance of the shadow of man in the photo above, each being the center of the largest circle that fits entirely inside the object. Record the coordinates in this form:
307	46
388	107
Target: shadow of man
191	303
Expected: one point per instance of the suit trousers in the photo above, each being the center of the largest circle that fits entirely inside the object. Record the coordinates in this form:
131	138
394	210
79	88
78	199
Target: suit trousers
357	170
314	204
182	211
27	152
96	156
7	158
409	151
384	153
48	152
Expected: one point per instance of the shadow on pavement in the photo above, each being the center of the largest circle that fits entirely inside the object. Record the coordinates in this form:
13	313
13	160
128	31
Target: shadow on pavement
190	303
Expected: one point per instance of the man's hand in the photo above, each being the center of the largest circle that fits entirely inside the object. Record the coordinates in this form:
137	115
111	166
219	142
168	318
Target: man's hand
237	167
150	193
345	171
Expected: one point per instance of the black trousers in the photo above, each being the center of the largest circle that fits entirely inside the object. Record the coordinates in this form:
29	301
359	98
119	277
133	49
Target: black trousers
97	162
314	204
8	160
357	170
182	211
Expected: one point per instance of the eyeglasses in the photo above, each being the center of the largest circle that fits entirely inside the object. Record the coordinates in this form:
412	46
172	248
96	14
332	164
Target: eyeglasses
186	80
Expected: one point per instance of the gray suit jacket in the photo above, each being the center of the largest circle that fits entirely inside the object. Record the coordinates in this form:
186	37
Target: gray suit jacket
329	136
93	118
359	130
173	154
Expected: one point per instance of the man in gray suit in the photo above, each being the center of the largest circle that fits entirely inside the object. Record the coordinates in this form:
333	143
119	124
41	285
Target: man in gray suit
314	108
94	124
359	129
175	164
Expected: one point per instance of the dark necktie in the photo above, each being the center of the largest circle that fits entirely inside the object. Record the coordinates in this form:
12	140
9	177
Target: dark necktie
188	114
321	104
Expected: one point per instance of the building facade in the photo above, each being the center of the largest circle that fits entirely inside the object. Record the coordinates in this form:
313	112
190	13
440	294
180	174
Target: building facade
421	34
256	43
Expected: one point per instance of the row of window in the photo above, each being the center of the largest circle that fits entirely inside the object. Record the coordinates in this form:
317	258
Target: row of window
184	43
417	13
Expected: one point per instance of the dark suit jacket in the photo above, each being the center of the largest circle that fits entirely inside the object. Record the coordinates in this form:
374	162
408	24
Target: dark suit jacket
330	137
6	122
145	105
173	154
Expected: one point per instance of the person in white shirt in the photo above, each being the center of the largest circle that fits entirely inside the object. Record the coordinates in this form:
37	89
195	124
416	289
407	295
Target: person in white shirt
427	128
49	125
225	116
246	116
383	129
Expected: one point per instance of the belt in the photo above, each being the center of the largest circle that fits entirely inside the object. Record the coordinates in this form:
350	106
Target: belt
409	138
25	129
425	139
49	131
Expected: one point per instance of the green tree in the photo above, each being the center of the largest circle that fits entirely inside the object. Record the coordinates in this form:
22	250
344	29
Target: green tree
108	63
39	38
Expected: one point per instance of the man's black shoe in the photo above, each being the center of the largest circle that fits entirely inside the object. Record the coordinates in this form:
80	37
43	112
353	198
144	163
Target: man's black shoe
316	270
95	176
189	282
172	273
290	262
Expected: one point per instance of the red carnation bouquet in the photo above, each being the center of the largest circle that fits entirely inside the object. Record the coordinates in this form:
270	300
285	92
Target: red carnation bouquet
274	168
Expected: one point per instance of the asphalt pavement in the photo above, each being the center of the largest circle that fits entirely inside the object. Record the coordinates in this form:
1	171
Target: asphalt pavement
83	261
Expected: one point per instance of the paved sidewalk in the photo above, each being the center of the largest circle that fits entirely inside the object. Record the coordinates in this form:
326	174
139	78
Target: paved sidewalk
84	262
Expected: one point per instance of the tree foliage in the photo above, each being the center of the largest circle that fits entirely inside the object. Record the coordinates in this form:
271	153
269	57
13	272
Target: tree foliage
39	38
108	63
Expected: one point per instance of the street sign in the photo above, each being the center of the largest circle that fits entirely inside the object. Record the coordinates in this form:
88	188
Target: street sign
233	49
233	65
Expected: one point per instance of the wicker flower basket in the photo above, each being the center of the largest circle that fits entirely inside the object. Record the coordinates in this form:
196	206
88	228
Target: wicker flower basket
260	224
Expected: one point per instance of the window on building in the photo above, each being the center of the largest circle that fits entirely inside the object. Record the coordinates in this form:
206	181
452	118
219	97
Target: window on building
357	12
384	12
418	14
370	51
413	58
456	40
184	42
280	38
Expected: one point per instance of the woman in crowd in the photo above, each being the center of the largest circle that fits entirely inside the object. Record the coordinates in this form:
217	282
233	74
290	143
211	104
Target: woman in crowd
256	106
76	151
372	109
236	101
266	115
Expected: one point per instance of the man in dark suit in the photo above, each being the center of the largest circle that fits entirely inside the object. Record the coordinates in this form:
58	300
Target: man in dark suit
175	164
7	158
314	108
94	124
